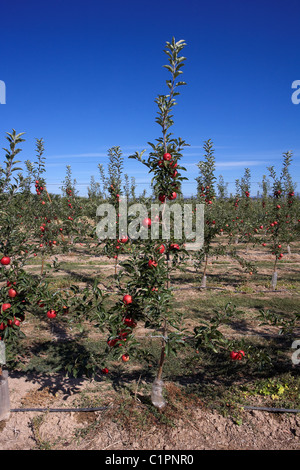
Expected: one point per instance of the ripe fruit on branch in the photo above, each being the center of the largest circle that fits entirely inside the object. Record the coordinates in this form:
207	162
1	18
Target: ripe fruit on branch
51	313
112	342
129	322
5	260
146	222
124	239
174	246
127	299
15	322
5	307
172	196
125	357
162	198
9	283
123	334
105	370
161	249
12	293
152	263
237	356
167	157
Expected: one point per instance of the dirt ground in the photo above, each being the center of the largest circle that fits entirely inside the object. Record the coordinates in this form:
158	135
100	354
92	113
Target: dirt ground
202	430
198	429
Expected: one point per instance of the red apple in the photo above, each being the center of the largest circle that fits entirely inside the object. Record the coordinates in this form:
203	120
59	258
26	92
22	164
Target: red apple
12	293
112	342
146	222
167	157
5	307
233	355
161	249
129	322
5	260
240	354
125	357
152	263
172	196
51	313
9	283
127	299
174	246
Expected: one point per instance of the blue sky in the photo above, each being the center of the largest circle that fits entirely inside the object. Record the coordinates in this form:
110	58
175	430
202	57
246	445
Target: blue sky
84	76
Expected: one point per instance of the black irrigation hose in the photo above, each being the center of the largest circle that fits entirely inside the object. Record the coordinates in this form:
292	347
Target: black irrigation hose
68	410
273	410
59	410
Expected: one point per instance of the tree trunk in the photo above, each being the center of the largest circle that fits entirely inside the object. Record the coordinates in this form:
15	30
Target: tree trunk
274	276
4	390
157	387
203	281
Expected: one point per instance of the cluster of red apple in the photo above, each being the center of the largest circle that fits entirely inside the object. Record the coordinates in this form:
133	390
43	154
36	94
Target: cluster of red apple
277	193
39	189
280	255
12	293
167	164
290	198
120	241
123	333
43	229
51	313
237	356
206	193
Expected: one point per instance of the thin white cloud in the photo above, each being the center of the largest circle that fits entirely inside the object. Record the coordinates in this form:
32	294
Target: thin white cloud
232	163
79	155
243	163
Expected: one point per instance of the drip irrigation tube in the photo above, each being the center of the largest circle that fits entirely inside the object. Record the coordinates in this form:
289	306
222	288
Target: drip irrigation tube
272	410
103	408
59	410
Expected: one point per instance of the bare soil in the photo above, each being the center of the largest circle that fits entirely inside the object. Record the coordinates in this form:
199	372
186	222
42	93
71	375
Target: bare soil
189	425
196	428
